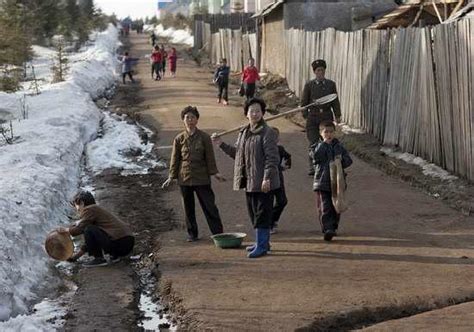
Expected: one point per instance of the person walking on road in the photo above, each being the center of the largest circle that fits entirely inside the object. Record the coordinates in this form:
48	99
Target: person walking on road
256	170
172	58
249	78
156	60
127	66
319	87
164	57
322	154
221	79
192	164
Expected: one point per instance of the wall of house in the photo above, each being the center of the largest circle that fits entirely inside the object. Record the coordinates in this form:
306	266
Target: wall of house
260	4
272	59
319	15
249	6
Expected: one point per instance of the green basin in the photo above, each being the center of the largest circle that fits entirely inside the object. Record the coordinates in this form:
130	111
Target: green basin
228	240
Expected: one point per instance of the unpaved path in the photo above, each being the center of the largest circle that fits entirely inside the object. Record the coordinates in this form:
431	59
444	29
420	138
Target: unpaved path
459	318
107	297
399	251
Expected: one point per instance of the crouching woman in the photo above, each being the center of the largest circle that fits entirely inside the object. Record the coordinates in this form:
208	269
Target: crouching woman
256	170
103	232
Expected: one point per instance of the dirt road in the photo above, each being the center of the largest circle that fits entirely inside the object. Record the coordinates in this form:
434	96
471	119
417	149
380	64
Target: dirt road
400	252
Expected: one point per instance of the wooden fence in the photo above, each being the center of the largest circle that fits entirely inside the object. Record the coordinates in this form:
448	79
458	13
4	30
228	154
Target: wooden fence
205	25
413	88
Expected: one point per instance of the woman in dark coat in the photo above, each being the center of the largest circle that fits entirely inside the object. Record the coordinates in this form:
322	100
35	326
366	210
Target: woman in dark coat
256	170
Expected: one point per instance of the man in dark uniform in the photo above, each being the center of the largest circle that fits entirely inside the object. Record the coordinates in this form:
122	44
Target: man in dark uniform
314	115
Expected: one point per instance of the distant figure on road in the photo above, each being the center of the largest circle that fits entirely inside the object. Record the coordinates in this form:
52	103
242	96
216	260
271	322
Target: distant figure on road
256	170
192	164
314	115
280	200
322	154
172	58
249	78
221	79
153	38
103	232
127	66
156	60
164	57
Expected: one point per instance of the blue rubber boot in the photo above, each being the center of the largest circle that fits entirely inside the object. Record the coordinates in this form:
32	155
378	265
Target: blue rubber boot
252	247
263	241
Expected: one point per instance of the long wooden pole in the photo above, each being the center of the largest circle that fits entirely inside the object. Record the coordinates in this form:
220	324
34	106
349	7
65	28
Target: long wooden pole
320	101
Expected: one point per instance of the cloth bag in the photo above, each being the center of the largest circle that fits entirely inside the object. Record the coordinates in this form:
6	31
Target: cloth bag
338	185
242	90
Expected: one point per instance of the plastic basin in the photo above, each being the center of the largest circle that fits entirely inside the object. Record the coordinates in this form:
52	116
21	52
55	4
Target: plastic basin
228	240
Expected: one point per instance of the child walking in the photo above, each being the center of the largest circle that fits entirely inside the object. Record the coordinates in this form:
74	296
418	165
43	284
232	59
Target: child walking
127	66
322	154
172	58
221	78
164	57
156	59
280	199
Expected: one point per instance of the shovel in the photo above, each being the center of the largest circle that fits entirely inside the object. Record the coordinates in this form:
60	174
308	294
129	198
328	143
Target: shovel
318	102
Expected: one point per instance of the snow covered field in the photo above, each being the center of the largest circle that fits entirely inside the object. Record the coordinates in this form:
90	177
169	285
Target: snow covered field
40	172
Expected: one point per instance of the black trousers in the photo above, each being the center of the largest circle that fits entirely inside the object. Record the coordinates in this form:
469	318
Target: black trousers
129	75
260	206
328	217
280	201
249	90
223	91
99	242
156	69
207	200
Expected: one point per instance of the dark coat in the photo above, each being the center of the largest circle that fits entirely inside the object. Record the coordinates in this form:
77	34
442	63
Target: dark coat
322	153
313	90
256	158
221	76
285	158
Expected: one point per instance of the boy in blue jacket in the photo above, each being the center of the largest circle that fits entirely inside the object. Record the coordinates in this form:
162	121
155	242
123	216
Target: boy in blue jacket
127	66
322	154
221	79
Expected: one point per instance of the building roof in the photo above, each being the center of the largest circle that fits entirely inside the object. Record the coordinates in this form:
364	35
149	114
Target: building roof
411	11
466	12
268	9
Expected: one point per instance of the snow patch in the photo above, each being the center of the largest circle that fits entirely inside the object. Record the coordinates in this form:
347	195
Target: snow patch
120	142
428	168
175	36
346	129
48	313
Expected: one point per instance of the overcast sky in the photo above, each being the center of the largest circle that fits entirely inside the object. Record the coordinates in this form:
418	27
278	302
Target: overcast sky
132	8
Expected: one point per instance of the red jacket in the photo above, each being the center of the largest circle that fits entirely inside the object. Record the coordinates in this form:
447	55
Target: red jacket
250	75
156	57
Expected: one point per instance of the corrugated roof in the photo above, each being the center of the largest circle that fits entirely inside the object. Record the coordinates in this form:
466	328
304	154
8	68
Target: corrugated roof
268	9
466	12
